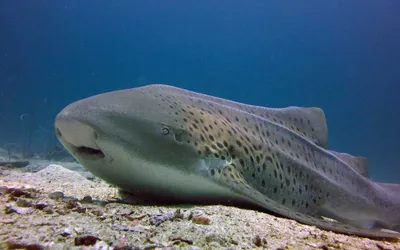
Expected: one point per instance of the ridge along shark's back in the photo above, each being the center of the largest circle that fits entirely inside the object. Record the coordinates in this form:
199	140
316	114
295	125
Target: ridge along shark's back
274	158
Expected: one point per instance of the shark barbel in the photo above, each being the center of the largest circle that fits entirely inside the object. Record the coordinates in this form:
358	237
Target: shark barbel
178	143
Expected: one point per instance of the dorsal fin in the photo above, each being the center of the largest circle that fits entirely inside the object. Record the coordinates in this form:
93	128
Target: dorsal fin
390	186
308	122
359	164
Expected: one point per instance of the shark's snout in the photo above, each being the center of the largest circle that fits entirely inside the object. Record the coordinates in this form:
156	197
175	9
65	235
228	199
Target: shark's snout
78	137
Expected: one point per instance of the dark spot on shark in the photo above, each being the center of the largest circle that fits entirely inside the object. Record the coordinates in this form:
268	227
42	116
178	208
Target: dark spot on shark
268	158
252	160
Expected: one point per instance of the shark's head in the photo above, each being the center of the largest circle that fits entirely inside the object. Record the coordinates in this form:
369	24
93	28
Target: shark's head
136	139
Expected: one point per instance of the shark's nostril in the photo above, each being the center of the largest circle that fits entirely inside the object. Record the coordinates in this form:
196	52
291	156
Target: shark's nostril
76	132
58	133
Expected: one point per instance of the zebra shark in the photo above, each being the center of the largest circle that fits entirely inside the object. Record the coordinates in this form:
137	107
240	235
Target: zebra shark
177	143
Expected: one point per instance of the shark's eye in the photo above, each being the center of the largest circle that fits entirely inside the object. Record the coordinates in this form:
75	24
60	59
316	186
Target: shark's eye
165	131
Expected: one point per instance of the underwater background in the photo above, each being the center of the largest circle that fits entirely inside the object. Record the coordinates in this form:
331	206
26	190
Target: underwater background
342	56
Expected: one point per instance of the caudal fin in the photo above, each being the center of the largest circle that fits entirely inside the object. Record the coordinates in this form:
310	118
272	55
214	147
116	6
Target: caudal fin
392	192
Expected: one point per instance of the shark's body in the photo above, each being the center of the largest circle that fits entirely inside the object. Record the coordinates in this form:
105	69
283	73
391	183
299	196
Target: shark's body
162	139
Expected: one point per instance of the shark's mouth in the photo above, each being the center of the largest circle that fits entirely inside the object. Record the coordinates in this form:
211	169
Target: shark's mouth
87	151
81	145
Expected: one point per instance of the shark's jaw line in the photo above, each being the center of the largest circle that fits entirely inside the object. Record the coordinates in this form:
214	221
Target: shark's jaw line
81	142
182	144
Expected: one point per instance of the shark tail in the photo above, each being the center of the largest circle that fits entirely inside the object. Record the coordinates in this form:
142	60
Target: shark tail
392	192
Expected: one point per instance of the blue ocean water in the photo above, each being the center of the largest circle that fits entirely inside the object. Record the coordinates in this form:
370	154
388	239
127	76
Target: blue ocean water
342	56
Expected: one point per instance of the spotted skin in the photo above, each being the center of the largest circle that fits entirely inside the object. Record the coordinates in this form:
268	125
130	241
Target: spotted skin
275	158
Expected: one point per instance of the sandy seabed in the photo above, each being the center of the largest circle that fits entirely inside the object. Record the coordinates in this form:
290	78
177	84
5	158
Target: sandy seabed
49	206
